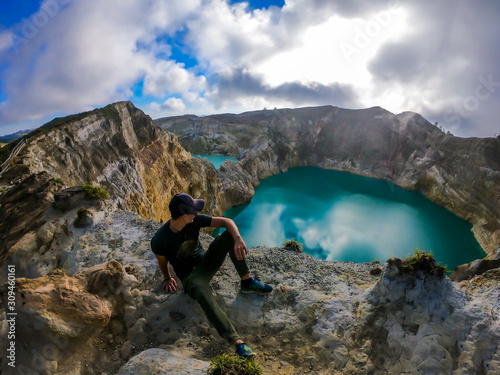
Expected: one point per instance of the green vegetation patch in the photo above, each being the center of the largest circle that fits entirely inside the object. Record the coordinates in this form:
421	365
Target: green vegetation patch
58	181
110	112
294	246
57	271
94	191
226	364
420	261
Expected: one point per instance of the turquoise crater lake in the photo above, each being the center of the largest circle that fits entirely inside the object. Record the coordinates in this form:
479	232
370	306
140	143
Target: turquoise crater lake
344	217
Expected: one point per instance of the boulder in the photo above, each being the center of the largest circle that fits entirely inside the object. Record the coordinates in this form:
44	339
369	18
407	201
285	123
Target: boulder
58	317
159	361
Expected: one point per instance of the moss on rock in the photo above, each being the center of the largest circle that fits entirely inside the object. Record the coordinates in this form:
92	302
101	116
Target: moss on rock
225	364
420	261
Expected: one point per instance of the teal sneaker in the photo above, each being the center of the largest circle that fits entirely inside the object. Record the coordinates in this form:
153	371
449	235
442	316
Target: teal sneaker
256	287
243	350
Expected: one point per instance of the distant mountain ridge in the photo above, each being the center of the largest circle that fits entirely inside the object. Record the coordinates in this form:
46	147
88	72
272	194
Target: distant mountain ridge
14	136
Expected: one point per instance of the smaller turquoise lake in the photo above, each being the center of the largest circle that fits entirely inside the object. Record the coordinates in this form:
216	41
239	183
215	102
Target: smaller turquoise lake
216	160
344	217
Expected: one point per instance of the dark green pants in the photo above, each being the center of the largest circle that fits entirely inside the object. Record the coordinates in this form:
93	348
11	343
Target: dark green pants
196	284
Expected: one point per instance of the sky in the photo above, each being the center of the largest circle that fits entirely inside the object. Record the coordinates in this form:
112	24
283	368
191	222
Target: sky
439	58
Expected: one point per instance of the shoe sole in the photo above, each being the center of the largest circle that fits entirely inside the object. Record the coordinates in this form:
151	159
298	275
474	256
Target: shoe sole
249	357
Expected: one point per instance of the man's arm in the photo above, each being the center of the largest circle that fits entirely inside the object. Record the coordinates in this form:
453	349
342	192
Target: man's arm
240	248
169	284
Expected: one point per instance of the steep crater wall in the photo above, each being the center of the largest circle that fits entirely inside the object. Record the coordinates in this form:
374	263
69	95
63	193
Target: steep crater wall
461	174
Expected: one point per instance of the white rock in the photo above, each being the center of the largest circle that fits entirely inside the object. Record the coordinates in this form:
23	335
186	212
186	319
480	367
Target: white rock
161	362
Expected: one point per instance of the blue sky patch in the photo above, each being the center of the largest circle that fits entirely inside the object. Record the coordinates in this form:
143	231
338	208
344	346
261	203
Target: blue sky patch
260	4
179	50
12	13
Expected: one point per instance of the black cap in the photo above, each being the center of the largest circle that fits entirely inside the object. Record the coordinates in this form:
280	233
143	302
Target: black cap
184	204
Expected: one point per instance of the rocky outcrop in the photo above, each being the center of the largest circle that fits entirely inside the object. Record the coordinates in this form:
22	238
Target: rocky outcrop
159	361
58	315
119	148
322	318
416	321
461	174
477	267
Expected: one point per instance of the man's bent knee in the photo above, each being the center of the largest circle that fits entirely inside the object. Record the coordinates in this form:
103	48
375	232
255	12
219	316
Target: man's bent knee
224	240
226	236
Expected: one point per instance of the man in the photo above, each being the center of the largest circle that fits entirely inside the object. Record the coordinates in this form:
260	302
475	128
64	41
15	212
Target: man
177	242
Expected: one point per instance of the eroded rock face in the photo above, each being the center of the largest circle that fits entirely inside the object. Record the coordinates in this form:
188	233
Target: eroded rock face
461	174
119	148
143	167
59	315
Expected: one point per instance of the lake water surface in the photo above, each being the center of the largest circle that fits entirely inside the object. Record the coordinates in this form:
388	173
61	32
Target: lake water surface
216	160
344	217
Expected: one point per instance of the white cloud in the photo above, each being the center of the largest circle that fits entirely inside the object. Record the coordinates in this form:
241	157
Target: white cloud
437	67
174	104
91	53
169	77
223	36
170	107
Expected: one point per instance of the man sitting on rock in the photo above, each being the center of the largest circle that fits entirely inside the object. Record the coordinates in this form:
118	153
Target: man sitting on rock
177	242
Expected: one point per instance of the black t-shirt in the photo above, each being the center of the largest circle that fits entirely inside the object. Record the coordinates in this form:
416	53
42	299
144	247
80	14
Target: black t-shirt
182	249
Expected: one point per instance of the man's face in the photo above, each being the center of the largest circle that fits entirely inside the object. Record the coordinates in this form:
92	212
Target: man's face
188	218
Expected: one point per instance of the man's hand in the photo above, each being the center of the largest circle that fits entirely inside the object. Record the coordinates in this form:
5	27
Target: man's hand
169	285
240	249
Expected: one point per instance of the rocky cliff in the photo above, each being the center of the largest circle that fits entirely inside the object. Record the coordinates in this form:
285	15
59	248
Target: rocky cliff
117	147
461	174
